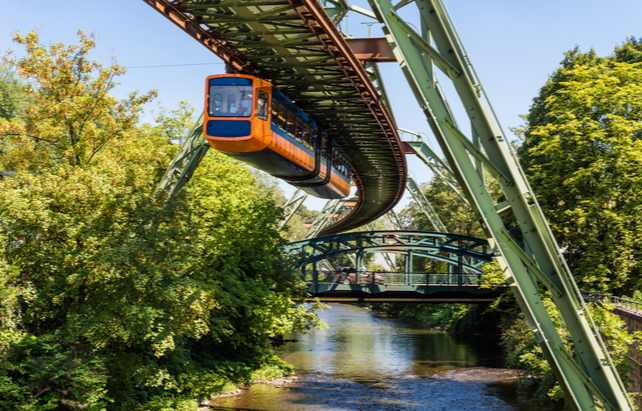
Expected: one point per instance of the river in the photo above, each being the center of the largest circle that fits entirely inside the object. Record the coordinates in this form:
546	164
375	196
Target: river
367	361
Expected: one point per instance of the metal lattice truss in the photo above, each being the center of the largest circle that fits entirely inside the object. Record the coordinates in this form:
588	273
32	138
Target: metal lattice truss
434	163
189	156
467	253
292	206
585	372
424	205
296	45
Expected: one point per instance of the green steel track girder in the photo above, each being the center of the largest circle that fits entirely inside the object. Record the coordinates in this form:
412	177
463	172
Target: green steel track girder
189	156
375	76
590	375
296	45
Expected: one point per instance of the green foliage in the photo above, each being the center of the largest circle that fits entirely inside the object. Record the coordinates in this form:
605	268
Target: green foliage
72	117
454	213
637	296
13	102
524	353
43	373
114	299
582	153
463	319
492	275
171	403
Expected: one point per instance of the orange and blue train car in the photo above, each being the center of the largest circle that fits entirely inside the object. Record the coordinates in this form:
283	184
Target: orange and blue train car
249	119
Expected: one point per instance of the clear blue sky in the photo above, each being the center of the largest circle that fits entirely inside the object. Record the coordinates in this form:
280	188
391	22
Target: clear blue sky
514	45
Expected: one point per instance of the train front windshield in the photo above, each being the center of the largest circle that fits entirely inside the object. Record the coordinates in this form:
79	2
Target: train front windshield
230	97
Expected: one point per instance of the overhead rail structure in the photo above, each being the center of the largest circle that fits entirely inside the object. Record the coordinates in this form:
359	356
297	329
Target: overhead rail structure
296	45
529	256
461	282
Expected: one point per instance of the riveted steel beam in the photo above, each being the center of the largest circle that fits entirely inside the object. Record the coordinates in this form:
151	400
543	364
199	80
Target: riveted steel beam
590	376
425	206
267	38
292	206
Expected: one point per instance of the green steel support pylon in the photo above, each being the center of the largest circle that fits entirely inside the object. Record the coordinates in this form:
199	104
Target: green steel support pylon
425	206
321	220
535	257
432	160
187	159
291	206
394	219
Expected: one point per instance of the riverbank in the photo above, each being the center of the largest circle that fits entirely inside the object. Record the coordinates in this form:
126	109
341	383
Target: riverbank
472	320
369	361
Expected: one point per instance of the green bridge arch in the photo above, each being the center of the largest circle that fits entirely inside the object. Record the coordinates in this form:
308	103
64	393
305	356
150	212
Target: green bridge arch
463	255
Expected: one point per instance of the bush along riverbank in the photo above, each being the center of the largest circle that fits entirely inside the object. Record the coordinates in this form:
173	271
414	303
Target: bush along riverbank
112	298
504	323
460	319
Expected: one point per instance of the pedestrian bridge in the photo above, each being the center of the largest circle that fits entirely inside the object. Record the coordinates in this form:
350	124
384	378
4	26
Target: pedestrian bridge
422	267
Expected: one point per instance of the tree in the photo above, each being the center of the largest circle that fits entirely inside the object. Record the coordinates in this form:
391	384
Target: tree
73	117
454	213
112	298
582	153
13	103
524	351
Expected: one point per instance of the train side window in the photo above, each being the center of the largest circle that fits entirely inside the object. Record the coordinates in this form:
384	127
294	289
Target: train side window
262	105
323	148
282	117
291	124
299	130
313	137
275	112
306	136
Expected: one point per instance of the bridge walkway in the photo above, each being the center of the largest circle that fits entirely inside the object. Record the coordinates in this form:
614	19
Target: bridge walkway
384	286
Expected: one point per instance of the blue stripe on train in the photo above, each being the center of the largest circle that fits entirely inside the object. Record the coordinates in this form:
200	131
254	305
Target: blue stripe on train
234	81
229	128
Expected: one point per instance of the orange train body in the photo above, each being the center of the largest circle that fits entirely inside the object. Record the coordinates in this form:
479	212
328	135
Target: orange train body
251	120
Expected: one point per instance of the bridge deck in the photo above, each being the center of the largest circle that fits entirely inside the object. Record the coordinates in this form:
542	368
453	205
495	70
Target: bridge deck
434	293
294	44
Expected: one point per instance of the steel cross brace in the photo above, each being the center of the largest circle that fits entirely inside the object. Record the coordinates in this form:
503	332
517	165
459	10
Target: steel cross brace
321	220
291	206
432	160
187	159
425	206
591	375
386	256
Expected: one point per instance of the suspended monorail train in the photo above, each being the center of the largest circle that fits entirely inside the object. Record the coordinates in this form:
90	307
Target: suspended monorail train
251	120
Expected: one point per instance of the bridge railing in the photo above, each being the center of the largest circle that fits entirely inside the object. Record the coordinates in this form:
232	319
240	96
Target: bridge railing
390	278
604	298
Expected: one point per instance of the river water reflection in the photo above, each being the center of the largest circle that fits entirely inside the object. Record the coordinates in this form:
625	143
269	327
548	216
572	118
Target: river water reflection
366	361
